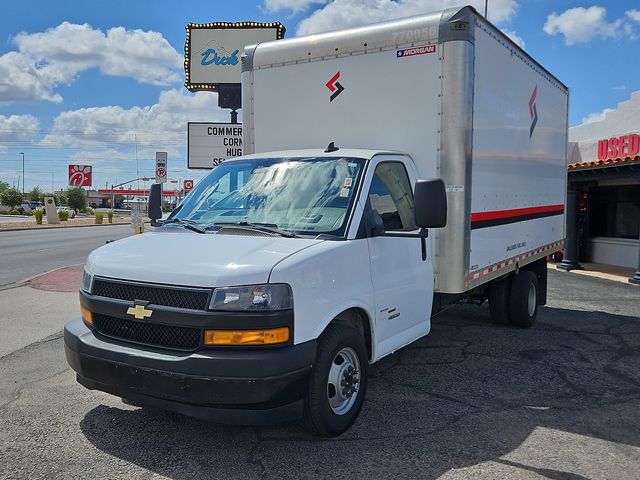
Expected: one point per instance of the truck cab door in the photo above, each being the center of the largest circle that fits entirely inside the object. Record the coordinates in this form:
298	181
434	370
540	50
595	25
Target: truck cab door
402	280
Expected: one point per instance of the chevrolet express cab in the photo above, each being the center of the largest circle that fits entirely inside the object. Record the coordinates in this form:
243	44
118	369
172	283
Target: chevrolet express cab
394	169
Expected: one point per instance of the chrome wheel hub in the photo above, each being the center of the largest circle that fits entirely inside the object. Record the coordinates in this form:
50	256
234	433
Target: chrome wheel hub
532	300
343	381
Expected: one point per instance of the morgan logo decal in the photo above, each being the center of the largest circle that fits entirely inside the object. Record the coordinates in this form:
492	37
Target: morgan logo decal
334	86
410	52
533	112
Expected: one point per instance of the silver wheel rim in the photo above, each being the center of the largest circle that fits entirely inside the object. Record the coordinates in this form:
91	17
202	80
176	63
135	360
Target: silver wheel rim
531	300
343	382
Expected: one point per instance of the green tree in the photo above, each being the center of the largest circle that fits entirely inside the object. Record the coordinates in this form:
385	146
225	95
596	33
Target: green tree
4	186
61	198
11	197
36	195
77	198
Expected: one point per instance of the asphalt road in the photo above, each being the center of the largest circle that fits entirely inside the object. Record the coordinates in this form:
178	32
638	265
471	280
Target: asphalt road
25	253
472	400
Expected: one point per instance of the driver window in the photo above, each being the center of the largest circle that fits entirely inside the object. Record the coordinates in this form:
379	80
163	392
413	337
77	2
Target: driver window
391	196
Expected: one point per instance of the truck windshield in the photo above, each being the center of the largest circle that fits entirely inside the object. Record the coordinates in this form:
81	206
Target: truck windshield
299	195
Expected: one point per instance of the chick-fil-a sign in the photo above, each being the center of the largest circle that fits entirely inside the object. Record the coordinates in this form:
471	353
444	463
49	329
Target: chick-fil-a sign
615	147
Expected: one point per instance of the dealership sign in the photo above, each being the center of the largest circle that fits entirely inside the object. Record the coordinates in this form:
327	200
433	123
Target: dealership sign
619	147
210	144
80	175
212	51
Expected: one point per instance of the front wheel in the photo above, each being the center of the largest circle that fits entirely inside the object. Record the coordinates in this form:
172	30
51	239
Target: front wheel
338	382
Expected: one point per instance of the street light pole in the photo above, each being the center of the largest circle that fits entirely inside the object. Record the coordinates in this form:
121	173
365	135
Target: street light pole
22	153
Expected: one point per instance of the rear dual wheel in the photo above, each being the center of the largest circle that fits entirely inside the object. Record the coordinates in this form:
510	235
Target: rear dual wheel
514	299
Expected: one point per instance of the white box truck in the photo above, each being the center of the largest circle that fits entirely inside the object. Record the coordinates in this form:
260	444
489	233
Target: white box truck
395	169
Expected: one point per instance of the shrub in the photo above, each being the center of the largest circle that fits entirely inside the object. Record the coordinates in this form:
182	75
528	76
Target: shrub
88	211
38	213
110	216
13	211
63	215
99	217
11	197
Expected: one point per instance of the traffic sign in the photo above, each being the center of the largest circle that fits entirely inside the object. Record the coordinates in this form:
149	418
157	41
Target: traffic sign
188	185
161	167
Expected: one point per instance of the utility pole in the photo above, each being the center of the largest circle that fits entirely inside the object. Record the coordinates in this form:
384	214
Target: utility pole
52	182
486	7
22	153
135	137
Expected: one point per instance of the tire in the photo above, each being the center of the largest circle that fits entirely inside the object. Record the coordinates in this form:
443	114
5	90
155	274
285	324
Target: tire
499	300
524	299
327	411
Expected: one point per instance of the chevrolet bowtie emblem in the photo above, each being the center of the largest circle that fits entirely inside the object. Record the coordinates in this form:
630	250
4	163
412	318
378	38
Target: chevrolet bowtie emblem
140	312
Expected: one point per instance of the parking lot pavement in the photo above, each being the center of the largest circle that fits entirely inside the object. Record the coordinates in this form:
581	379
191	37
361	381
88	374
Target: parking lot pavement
472	400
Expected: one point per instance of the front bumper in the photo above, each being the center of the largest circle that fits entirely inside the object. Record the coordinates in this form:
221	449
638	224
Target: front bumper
253	386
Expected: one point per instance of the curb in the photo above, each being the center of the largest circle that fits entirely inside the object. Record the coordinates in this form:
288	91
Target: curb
19	229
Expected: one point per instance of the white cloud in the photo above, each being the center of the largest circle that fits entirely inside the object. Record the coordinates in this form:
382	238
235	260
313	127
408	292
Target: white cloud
581	25
348	13
16	128
633	15
158	126
21	80
515	37
295	6
47	59
620	87
596	116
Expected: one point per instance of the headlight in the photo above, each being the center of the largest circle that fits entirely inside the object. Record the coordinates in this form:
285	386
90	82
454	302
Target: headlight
87	282
252	298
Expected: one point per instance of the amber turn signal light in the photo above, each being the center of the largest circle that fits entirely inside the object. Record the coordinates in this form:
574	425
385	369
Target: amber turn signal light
86	315
268	336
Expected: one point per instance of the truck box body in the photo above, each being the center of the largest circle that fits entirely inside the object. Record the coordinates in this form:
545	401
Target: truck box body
454	93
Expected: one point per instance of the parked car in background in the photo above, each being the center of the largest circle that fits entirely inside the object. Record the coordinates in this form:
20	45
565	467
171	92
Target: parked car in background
64	208
27	207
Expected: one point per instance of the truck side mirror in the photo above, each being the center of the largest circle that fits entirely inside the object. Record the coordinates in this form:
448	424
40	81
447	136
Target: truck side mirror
430	199
155	204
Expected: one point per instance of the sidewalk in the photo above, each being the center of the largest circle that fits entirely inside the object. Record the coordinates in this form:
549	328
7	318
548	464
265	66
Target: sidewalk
599	270
39	309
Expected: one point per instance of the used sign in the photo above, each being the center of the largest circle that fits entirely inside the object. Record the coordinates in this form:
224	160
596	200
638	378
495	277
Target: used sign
615	147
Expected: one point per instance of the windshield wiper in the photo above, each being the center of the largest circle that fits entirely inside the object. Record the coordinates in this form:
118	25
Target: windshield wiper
261	227
188	224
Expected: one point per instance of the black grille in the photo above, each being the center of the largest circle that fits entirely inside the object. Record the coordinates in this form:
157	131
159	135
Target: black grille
166	336
167	296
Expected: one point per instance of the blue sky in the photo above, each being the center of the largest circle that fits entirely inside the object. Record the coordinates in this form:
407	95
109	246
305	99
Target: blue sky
101	82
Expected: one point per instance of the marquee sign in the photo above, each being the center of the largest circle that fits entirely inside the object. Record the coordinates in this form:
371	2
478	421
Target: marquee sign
212	51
